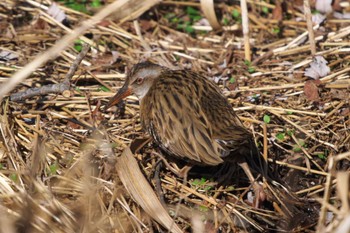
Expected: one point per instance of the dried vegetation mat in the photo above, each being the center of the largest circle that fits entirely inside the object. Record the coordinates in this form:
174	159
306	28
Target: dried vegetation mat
66	166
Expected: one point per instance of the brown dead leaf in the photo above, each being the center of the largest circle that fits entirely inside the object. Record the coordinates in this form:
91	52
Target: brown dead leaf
73	125
345	112
104	23
340	94
141	191
311	89
277	13
146	24
232	86
40	24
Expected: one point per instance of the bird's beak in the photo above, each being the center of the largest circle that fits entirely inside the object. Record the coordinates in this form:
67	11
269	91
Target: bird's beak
121	94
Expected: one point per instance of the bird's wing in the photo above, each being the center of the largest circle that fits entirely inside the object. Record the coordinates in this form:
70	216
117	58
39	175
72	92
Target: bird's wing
181	127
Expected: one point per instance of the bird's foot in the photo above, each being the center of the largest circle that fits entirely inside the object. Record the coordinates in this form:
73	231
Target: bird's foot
260	195
182	173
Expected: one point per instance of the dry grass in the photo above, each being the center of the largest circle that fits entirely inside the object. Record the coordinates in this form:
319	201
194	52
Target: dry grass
59	153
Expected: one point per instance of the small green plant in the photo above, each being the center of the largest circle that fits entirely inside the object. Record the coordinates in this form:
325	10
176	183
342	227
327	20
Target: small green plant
267	119
203	208
201	184
53	168
193	14
250	67
78	45
265	9
236	14
225	21
290	132
82	5
297	147
232	80
323	155
281	136
14	177
76	5
96	3
276	30
103	89
78	89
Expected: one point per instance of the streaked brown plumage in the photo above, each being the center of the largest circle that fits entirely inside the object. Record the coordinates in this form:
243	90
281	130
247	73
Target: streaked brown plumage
189	117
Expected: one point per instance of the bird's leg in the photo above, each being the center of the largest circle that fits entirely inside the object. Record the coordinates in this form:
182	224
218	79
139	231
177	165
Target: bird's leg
182	173
258	189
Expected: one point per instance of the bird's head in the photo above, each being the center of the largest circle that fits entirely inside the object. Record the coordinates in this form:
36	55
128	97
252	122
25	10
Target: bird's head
139	80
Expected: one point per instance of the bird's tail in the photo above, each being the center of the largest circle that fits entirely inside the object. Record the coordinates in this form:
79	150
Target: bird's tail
295	211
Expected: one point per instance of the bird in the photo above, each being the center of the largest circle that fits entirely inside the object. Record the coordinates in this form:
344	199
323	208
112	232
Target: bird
189	118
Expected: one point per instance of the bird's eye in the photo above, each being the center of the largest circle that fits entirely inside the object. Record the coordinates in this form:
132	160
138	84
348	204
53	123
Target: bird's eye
139	80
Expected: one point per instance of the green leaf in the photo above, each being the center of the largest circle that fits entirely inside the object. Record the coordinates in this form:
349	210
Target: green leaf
196	18
175	20
290	132
195	182
96	3
104	89
225	21
53	168
276	30
1	166
265	9
296	148
232	79
203	208
189	29
236	14
169	15
267	119
191	11
281	136
78	45
13	177
302	143
322	156
247	63
289	112
251	69
77	6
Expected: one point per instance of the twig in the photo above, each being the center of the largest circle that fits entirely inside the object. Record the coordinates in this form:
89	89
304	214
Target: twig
53	88
309	27
245	25
209	12
326	196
